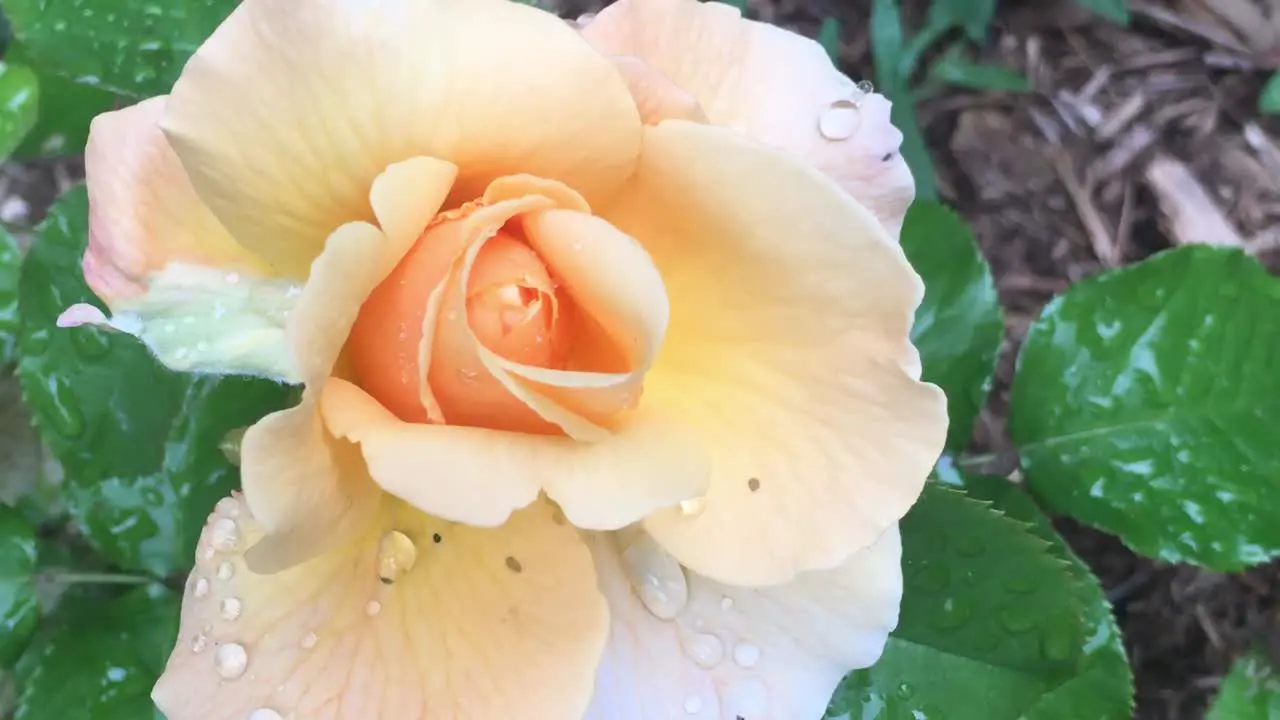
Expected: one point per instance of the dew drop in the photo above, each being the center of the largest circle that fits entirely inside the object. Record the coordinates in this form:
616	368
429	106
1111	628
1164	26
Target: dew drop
905	691
201	588
746	655
308	641
373	608
230	660
468	376
231	608
726	603
693	506
92	343
970	546
226	535
1017	619
953	613
55	403
864	87
396	556
656	576
1020	584
226	570
233	278
840	121
704	649
1055	643
264	714
931	578
199	643
693	705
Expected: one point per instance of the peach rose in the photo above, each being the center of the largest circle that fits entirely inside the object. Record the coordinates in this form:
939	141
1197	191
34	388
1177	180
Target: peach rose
610	407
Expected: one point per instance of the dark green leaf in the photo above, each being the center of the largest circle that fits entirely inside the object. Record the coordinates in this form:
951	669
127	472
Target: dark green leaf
959	326
65	109
829	37
121	46
1146	403
10	261
888	52
1103	687
1117	11
955	69
991	620
19	609
19	98
99	660
1251	691
1269	100
972	15
140	444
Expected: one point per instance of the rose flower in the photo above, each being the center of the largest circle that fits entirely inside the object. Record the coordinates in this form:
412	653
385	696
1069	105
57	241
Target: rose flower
610	406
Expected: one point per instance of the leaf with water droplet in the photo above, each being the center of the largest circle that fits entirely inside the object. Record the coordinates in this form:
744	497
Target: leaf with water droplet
1251	691
958	327
953	647
1102	689
141	444
19	609
125	47
19	99
63	114
99	660
10	261
1146	401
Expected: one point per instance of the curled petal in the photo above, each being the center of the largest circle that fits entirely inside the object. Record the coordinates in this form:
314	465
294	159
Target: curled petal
774	85
414	619
788	350
272	117
728	652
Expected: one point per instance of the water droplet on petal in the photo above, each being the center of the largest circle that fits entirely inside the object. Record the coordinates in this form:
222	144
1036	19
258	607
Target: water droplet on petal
864	87
226	535
231	608
693	506
226	570
230	660
373	608
396	556
233	278
693	705
199	643
308	641
264	714
746	655
726	603
656	577
202	587
704	649
230	506
840	121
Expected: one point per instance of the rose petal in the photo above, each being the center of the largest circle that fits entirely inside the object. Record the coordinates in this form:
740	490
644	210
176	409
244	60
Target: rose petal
775	653
478	476
283	119
788	350
143	213
772	84
414	619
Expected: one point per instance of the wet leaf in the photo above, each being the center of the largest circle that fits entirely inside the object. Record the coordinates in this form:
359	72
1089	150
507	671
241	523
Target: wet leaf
991	620
19	609
19	97
126	47
10	260
1251	691
959	327
99	660
62	118
141	444
1102	689
1146	403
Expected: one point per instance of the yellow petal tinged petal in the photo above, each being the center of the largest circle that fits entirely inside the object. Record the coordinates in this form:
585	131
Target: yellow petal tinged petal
773	653
143	213
415	619
772	84
657	97
283	119
788	350
407	195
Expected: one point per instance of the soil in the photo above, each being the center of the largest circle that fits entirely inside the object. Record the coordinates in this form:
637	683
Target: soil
1134	140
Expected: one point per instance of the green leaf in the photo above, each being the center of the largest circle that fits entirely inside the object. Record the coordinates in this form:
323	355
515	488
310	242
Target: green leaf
955	69
19	609
959	327
1269	100
99	660
1117	11
1146	403
19	98
10	260
1103	687
124	47
62	119
1251	691
829	37
140	443
972	15
990	622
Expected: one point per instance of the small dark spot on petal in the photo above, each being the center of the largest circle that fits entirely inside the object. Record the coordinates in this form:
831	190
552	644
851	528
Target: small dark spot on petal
435	538
887	157
386	580
753	484
514	565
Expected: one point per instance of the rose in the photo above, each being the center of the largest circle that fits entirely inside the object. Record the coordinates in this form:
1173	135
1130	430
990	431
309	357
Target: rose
610	405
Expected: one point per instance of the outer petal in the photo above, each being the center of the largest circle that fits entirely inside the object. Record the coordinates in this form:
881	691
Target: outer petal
416	619
788	349
143	213
283	118
770	83
735	653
